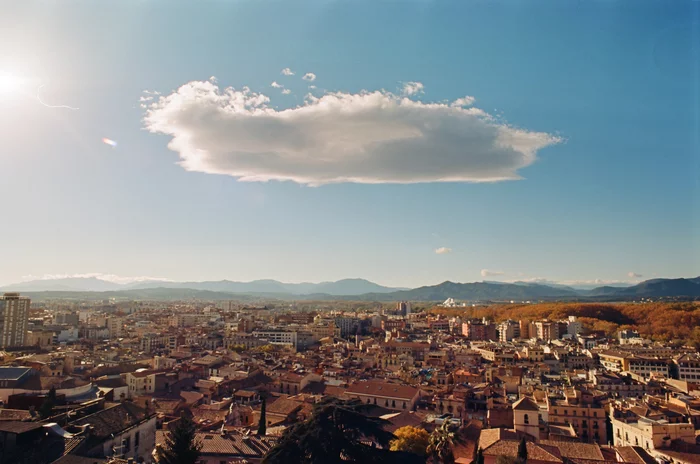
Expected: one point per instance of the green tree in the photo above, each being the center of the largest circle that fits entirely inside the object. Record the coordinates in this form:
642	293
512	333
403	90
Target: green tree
181	445
334	434
441	443
522	451
262	424
46	408
411	439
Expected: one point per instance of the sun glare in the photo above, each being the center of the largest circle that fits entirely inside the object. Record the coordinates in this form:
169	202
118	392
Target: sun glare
9	83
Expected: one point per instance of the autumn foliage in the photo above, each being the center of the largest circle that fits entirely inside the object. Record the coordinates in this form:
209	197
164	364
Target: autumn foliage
669	322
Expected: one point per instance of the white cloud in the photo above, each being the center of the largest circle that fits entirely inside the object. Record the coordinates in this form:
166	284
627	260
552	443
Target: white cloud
286	92
151	92
98	275
312	86
309	77
367	137
464	101
634	275
412	88
276	85
145	99
287	72
443	250
213	79
488	273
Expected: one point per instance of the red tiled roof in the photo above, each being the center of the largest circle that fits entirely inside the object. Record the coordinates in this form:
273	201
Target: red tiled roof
383	389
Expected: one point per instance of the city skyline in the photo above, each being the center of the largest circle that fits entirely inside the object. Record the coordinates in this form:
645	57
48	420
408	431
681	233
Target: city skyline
580	163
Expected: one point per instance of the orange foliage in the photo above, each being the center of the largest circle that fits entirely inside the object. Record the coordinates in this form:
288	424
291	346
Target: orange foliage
658	321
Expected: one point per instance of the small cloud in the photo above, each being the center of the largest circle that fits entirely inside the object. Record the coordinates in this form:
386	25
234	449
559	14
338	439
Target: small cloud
312	87
276	85
287	72
488	273
464	101
213	79
634	275
443	251
309	77
412	88
151	92
117	279
145	99
286	91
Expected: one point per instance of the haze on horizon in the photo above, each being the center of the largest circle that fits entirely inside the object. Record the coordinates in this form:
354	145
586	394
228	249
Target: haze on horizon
460	141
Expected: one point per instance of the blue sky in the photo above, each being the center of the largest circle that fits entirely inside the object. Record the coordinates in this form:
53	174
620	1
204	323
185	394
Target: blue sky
610	86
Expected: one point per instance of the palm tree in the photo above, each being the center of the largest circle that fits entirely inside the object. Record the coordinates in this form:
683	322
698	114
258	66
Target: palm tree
337	432
442	440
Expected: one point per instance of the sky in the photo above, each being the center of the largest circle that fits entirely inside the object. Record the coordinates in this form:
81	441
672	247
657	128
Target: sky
407	143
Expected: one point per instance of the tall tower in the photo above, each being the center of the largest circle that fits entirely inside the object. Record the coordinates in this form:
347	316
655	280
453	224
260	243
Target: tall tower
14	316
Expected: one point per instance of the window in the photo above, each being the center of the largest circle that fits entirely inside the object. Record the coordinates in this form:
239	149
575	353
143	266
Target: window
527	419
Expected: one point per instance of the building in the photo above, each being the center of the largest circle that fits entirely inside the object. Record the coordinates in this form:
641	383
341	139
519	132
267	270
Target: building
14	317
586	418
687	367
544	330
651	434
526	417
479	330
115	326
388	395
573	326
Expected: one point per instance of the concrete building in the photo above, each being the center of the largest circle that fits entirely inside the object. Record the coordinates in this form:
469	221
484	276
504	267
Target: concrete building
14	317
651	434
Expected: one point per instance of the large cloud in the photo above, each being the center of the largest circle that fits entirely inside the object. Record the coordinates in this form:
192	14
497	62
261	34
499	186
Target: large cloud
367	137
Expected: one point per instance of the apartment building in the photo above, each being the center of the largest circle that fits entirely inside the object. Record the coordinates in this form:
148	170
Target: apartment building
14	317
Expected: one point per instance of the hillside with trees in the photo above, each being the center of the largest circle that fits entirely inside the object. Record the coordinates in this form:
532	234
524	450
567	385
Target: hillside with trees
677	322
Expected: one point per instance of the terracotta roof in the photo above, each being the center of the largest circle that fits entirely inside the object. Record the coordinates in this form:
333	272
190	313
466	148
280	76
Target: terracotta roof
634	455
534	452
14	415
231	445
112	420
283	406
19	427
573	450
383	389
525	404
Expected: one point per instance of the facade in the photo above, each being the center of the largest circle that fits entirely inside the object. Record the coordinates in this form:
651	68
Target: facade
588	420
389	395
651	434
14	317
688	367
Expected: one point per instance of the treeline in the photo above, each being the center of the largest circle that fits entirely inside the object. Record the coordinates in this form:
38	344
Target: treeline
669	322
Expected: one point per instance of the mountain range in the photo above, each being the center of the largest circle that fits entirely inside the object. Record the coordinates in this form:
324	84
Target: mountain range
351	289
93	284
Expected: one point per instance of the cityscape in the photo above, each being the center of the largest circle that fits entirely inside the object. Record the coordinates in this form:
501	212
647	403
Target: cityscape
350	231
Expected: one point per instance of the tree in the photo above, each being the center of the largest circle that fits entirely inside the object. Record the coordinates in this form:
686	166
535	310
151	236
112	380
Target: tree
412	439
181	445
46	408
262	425
334	434
441	442
522	451
479	456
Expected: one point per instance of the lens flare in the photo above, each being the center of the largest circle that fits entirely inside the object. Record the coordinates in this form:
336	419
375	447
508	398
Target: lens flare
109	142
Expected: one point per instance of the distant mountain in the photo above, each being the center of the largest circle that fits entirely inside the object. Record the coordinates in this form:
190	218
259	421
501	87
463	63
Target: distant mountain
477	291
655	288
70	284
92	284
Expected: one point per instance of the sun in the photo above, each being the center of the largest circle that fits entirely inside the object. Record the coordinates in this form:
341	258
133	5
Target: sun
9	83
